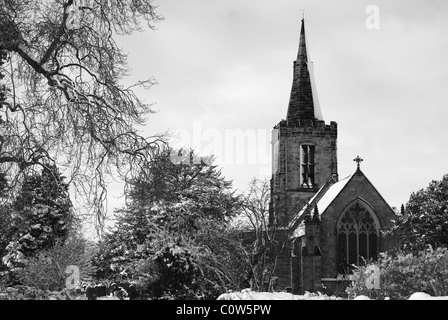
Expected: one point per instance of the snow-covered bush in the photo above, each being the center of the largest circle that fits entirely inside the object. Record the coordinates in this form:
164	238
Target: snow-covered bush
47	269
41	214
176	273
403	274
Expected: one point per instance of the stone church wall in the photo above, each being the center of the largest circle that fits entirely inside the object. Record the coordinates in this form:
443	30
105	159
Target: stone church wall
287	194
358	186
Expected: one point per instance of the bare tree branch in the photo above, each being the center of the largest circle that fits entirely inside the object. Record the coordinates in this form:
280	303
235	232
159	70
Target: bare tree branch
64	78
264	246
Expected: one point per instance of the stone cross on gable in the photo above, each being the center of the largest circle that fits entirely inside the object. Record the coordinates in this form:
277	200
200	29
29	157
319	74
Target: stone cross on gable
358	160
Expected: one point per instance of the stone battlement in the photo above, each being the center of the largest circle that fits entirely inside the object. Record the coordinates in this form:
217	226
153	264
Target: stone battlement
306	127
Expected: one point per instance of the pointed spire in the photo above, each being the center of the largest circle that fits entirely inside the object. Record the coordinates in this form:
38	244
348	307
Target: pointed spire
301	104
302	54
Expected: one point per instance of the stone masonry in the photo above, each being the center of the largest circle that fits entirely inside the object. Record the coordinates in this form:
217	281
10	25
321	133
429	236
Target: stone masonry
287	195
304	169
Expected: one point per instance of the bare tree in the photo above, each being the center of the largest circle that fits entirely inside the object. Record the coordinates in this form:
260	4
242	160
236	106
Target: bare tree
64	103
263	246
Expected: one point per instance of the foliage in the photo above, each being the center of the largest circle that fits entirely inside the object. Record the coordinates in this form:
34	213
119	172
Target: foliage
175	271
22	293
3	184
6	230
404	274
425	219
181	224
186	270
125	245
40	215
176	174
64	101
46	270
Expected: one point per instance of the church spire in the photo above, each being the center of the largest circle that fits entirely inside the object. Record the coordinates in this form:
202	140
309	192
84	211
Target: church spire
303	104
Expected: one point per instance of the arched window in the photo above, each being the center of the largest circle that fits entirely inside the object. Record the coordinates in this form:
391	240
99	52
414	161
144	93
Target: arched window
307	166
357	235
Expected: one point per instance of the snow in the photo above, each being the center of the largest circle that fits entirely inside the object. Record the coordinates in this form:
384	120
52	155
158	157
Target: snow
323	203
425	296
247	294
362	298
331	194
28	237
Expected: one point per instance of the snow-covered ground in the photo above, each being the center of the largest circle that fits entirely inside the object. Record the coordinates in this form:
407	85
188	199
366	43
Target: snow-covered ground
247	294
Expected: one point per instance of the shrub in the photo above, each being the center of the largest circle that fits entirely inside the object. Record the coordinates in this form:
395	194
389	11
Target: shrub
21	293
176	271
404	274
47	269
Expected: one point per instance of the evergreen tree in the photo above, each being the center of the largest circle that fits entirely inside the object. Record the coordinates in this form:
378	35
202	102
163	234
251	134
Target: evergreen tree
173	230
42	215
424	220
6	230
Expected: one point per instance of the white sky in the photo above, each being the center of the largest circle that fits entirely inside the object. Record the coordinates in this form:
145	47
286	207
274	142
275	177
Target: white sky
224	66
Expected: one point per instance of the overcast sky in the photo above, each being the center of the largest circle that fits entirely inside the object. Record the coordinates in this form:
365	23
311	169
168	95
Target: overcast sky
225	67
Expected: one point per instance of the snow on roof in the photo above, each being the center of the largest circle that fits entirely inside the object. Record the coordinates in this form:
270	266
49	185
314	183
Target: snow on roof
328	197
331	194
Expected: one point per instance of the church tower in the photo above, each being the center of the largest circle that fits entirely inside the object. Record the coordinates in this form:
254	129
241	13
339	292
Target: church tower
303	146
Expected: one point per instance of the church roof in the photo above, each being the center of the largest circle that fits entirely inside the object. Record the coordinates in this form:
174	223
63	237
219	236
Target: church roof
303	102
331	194
323	198
327	194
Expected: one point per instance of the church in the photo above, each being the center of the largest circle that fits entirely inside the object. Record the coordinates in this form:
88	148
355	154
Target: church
326	224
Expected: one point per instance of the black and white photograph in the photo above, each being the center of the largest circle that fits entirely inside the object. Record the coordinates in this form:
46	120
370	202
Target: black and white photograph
234	151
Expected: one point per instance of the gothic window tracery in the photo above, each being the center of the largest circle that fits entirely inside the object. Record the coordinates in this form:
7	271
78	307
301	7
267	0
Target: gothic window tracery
357	232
